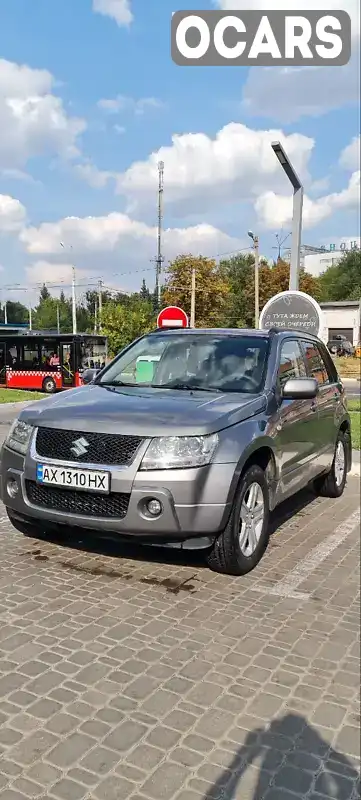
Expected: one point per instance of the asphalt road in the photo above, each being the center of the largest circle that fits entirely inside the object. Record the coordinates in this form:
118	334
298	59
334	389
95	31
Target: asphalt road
353	389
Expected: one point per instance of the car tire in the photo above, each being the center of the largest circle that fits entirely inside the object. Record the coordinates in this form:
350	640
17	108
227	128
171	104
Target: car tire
230	553
333	483
49	385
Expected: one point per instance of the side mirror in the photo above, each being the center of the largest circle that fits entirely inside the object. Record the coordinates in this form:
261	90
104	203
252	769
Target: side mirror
300	389
89	375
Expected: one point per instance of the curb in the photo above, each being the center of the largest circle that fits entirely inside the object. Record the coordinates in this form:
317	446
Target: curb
356	463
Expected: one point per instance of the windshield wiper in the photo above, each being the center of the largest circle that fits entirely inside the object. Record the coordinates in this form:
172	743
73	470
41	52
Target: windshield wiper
114	384
187	387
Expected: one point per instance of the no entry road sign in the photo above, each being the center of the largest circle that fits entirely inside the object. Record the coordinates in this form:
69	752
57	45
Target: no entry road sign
172	317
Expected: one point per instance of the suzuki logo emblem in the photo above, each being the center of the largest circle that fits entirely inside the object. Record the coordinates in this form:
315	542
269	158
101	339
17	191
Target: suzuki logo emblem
80	447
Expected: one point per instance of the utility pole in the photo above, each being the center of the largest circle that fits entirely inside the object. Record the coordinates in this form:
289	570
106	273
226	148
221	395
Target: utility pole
30	318
280	243
6	312
73	294
73	298
193	300
96	315
100	305
58	318
255	240
159	259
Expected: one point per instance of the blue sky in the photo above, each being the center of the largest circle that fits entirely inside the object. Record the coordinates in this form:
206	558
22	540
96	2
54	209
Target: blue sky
91	58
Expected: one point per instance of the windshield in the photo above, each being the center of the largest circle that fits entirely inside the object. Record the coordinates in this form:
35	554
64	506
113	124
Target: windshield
93	353
227	363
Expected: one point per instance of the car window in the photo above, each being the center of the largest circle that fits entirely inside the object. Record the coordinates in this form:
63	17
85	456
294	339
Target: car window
292	364
329	364
227	363
316	367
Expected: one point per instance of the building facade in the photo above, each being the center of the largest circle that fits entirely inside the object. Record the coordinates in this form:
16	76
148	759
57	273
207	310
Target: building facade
316	260
343	318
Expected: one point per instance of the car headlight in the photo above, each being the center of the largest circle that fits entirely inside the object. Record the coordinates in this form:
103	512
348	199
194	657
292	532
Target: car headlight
19	436
179	452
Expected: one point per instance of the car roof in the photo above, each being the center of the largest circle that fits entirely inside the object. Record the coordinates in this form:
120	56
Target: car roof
254	332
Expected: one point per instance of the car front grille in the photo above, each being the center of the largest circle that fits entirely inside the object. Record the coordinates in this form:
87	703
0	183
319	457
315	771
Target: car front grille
111	506
91	448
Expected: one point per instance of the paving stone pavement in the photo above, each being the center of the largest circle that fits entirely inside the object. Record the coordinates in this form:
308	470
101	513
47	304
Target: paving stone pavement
143	675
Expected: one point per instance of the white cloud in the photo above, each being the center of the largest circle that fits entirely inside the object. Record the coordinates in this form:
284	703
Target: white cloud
237	164
287	94
350	156
18	175
119	10
51	273
118	245
33	121
96	178
275	211
351	6
121	103
12	214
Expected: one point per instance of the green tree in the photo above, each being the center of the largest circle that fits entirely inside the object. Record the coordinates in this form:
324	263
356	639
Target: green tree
45	316
211	288
239	275
144	291
122	325
342	281
16	312
44	293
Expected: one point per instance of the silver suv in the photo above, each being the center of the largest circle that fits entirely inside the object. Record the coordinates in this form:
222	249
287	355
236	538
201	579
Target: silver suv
189	436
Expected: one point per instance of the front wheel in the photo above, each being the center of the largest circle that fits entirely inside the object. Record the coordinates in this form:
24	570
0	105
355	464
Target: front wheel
333	484
242	544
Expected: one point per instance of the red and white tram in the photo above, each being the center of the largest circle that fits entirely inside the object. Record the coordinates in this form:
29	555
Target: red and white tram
48	362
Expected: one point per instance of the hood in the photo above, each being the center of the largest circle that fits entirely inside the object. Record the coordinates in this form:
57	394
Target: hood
142	411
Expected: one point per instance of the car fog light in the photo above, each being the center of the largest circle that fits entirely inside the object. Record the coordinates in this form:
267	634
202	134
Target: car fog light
154	508
12	488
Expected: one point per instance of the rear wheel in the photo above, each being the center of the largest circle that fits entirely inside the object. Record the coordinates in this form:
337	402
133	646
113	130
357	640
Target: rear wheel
241	545
333	484
49	385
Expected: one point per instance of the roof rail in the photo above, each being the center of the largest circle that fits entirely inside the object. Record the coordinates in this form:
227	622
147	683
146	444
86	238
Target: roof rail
168	328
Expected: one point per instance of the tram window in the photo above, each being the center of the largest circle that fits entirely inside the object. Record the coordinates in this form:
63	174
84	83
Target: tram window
31	357
50	354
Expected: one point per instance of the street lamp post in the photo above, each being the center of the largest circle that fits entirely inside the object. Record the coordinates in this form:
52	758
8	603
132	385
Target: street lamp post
255	241
297	213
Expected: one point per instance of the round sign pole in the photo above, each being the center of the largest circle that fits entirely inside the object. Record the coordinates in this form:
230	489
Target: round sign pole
292	310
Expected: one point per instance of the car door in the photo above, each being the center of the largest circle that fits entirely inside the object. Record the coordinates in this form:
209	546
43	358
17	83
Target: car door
320	367
295	425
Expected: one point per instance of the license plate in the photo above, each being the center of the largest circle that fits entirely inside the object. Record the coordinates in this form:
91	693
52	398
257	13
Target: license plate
82	479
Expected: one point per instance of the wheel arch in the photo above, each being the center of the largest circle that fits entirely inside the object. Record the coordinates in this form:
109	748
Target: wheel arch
345	428
262	454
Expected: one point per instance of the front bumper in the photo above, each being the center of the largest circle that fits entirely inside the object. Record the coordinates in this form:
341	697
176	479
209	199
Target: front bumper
195	502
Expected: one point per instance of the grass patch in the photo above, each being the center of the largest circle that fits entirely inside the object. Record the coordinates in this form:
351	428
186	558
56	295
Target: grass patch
354	407
19	396
348	367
